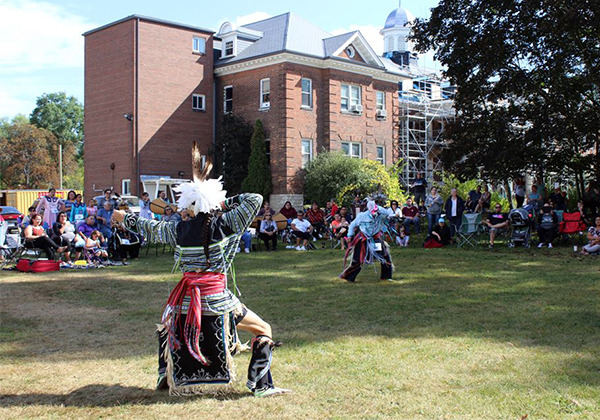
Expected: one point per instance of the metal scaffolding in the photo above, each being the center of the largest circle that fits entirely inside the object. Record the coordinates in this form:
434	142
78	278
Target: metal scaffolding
425	109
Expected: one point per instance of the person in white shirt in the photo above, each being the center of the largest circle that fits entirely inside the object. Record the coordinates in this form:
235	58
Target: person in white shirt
455	206
302	228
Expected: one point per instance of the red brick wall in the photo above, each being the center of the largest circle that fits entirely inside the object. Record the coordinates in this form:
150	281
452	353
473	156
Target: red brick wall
287	123
109	90
169	74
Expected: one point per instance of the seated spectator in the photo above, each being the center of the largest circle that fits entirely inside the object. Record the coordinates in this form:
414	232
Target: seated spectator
440	235
410	213
170	215
394	213
92	207
288	211
78	211
593	247
559	198
36	237
27	219
345	214
585	216
88	227
63	234
484	201
330	209
246	242
266	209
268	231
473	200
94	248
339	227
496	222
185	215
534	198
302	228
402	238
316	217
103	218
126	243
454	207
547	226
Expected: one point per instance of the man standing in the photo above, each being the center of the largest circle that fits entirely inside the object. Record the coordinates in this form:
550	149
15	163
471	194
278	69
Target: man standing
419	188
455	206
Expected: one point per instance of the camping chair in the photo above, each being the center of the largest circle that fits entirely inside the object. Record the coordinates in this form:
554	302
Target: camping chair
469	230
13	248
572	225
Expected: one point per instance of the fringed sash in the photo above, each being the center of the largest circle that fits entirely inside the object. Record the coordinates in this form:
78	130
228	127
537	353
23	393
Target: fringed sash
192	285
367	248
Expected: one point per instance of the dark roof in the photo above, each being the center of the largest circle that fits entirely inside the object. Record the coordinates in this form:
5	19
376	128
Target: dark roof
151	19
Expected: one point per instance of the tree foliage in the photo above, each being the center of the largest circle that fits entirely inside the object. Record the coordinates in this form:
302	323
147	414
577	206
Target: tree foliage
258	179
232	150
528	84
60	114
335	175
25	160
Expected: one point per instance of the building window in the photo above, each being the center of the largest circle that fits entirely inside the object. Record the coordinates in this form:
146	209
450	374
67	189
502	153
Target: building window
351	98
228	99
354	150
199	45
390	43
307	99
228	48
307	152
380	155
380	101
126	187
198	102
265	93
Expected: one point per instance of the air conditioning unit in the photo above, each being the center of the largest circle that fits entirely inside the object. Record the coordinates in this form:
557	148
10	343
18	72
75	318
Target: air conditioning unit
381	113
356	109
265	105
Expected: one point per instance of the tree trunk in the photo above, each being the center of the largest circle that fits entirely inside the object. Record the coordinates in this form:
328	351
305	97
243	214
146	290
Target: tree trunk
508	193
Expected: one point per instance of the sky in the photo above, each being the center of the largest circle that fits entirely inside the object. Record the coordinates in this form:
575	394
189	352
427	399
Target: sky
42	47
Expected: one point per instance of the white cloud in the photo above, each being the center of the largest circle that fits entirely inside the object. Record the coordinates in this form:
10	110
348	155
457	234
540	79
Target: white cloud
36	35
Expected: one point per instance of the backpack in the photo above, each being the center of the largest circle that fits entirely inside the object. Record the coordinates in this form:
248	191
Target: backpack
37	266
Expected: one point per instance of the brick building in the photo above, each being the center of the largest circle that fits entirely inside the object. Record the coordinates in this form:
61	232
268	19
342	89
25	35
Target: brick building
312	91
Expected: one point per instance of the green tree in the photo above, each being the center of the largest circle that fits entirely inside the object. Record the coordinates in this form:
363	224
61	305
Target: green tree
528	84
335	175
258	179
60	114
232	150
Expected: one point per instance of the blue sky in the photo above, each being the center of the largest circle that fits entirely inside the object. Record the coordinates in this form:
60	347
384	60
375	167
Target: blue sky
41	47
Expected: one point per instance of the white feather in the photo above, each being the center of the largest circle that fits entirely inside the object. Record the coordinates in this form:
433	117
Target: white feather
201	197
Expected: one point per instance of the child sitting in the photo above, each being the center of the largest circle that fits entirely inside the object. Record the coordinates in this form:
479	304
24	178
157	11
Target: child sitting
402	238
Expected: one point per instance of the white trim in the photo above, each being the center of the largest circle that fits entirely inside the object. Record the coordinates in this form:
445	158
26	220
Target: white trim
197	51
310	94
310	154
126	191
264	104
376	154
203	108
350	144
376	94
320	63
362	47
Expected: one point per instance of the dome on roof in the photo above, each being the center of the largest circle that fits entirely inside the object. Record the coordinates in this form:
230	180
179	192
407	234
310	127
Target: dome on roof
398	18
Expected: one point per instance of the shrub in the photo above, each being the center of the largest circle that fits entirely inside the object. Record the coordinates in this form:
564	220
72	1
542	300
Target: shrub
258	179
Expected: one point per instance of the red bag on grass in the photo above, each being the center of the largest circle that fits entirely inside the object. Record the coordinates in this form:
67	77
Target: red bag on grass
432	243
37	266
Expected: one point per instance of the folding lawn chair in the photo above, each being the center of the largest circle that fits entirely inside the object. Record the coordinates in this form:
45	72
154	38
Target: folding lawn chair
572	225
469	230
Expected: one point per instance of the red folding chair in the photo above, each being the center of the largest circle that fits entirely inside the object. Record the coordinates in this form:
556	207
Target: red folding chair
572	225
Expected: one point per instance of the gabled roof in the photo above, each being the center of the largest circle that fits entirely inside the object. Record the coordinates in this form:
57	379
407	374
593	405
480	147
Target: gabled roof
291	33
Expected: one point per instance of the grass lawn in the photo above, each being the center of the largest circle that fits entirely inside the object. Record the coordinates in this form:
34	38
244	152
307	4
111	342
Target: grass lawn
463	334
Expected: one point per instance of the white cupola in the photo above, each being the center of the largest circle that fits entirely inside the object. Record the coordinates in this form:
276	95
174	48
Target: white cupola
396	31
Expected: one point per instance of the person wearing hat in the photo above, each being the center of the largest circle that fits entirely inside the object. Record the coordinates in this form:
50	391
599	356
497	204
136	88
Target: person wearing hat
440	235
198	330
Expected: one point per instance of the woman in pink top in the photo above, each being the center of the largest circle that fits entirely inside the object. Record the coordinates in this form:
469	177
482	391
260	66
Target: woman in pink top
92	208
52	205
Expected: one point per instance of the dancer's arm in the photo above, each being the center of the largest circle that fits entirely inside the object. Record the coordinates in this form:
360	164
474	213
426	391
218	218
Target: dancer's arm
240	211
153	230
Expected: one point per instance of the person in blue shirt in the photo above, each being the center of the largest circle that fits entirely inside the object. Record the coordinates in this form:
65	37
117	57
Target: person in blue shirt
78	211
103	217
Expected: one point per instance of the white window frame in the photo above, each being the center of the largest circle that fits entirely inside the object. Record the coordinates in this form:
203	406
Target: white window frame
225	100
126	187
350	145
379	94
308	94
199	45
265	93
306	157
382	158
353	96
225	48
197	97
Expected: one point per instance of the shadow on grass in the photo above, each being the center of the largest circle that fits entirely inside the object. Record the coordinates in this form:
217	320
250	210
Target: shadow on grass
497	296
108	396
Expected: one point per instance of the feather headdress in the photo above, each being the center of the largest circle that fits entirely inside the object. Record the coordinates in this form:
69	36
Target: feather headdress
202	195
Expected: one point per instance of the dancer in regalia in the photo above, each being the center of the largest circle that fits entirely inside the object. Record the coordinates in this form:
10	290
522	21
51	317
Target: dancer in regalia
197	335
366	243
